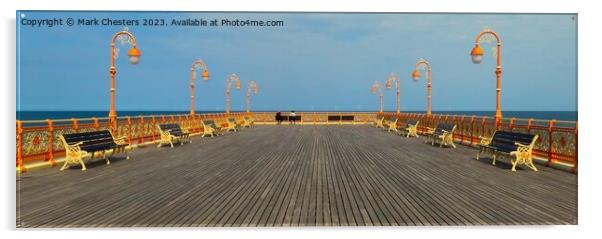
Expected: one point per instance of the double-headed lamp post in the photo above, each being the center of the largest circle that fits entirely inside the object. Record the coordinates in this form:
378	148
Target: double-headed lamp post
236	79
196	65
377	87
416	77
477	56
134	55
388	84
251	87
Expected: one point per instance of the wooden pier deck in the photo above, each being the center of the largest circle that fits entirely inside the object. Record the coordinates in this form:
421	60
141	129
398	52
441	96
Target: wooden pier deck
297	176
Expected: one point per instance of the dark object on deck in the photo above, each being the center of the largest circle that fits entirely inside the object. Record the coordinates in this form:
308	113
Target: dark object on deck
510	144
279	117
82	145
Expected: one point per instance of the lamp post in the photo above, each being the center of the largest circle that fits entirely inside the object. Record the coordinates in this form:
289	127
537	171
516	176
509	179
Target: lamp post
416	76
196	65
134	55
236	79
388	84
477	56
252	86
377	86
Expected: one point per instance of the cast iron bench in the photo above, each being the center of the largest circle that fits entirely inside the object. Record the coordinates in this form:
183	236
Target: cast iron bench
508	143
210	128
444	133
171	133
411	128
81	145
392	124
248	122
378	121
232	125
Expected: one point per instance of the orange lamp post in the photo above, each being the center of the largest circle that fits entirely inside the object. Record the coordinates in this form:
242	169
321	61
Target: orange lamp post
134	55
251	87
236	79
416	77
196	65
388	84
477	56
377	87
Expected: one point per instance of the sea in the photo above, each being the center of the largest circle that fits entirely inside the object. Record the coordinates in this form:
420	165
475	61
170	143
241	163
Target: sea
41	115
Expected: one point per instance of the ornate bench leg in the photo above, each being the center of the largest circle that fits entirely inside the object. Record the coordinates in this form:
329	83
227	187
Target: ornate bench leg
494	158
479	153
66	164
514	163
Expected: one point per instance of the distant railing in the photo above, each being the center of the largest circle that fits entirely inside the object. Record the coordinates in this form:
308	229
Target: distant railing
38	140
557	141
318	118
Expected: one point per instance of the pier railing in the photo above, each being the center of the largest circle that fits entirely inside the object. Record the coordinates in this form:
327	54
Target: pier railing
38	140
557	143
319	118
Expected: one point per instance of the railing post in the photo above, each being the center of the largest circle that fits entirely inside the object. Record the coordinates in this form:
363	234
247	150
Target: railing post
550	130
483	121
20	167
50	143
96	125
141	139
154	122
511	124
576	150
472	137
74	124
129	130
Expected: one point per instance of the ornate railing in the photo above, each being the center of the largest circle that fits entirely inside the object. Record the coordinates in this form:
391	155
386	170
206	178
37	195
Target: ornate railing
557	142
316	118
38	140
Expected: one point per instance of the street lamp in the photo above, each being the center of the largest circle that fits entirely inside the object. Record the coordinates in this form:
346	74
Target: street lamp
252	86
134	55
416	77
377	86
477	56
196	65
236	79
388	84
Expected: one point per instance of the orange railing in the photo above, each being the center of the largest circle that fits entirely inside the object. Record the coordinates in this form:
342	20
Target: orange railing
38	140
314	118
556	144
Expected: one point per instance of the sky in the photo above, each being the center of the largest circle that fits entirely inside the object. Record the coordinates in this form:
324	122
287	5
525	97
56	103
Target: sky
316	61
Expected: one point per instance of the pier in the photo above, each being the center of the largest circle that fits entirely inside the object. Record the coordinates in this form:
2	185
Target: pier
319	173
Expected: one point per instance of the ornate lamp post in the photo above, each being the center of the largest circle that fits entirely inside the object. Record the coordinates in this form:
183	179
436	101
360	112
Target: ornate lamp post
236	79
252	86
388	84
196	65
377	86
477	56
416	76
134	55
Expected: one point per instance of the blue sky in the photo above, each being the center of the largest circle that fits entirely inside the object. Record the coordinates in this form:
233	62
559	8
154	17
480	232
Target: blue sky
315	62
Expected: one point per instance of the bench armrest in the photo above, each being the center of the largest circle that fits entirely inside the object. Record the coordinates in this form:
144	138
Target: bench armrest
76	144
521	145
485	140
120	140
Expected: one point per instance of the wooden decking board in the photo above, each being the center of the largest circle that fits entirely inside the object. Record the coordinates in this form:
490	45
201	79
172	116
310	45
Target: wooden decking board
297	176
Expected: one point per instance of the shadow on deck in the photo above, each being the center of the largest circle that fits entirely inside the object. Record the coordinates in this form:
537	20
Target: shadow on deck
297	176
